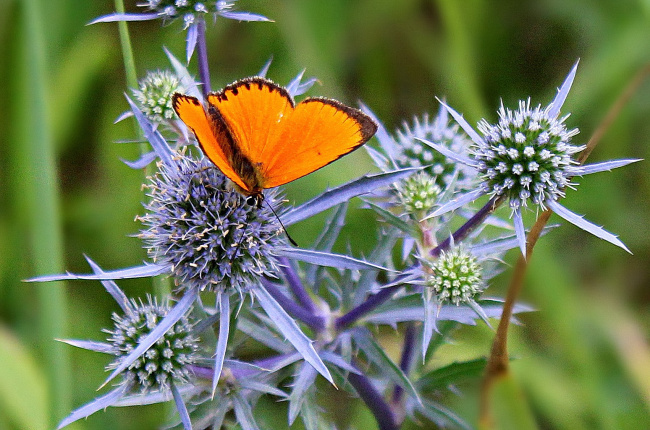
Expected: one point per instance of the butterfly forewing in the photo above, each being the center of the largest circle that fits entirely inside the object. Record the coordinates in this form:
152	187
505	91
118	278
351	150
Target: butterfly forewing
255	134
318	132
255	111
211	132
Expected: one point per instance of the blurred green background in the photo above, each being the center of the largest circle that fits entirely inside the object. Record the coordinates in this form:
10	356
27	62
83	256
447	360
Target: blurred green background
582	360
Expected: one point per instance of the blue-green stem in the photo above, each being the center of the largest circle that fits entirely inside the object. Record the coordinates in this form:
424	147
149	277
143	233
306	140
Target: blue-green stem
127	50
375	402
376	300
470	225
317	323
408	348
161	286
37	195
202	57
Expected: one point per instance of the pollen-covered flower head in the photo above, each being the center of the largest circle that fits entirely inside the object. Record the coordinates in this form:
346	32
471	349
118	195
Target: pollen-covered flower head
412	152
206	231
154	95
418	193
527	155
456	276
165	361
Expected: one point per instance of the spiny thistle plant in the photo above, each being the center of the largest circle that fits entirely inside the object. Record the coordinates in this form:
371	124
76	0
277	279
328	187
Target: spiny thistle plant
314	311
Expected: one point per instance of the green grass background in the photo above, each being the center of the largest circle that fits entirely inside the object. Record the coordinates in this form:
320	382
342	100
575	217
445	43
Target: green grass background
582	360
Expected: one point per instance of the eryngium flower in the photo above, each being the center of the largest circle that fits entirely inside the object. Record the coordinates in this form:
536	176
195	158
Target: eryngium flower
413	153
192	10
418	193
165	361
527	157
457	277
155	95
206	231
177	8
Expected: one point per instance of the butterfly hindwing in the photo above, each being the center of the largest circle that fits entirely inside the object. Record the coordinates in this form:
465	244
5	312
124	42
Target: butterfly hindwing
211	133
318	132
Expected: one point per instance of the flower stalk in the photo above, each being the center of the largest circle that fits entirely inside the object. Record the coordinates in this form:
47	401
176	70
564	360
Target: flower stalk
498	362
202	57
375	402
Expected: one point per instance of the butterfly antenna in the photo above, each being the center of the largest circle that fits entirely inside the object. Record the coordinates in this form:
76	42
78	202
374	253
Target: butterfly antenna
293	242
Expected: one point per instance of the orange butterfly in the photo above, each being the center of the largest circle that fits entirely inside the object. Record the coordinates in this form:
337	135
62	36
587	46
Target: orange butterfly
259	138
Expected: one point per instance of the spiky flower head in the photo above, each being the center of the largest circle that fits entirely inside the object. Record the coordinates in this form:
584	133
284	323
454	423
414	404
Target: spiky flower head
189	10
418	193
414	153
154	95
193	10
206	231
165	361
456	276
527	155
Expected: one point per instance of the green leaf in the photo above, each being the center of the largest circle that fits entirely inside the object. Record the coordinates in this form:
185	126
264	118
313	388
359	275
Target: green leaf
451	374
441	415
23	391
394	220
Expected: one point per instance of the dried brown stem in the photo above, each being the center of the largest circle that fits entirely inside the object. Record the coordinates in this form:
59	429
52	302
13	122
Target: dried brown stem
498	361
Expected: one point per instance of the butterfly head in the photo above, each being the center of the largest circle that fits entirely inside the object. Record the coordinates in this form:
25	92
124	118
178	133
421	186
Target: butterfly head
255	200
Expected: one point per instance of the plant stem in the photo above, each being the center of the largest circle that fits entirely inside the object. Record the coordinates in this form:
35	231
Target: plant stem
405	364
296	286
295	310
127	49
470	225
202	57
161	286
386	293
369	305
129	65
375	402
498	361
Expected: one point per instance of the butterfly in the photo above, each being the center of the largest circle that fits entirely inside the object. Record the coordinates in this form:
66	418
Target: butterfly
255	133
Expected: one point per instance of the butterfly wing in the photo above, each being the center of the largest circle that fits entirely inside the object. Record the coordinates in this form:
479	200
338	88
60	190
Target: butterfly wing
255	111
318	132
211	133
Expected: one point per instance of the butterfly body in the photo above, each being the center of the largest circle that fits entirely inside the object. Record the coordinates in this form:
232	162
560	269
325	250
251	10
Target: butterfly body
259	138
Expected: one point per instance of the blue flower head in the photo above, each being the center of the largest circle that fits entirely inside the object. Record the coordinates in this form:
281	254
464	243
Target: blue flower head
205	231
154	95
527	158
192	12
165	361
412	152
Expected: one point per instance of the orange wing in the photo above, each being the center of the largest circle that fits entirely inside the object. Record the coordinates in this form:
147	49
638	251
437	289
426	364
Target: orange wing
255	111
211	133
318	132
283	143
